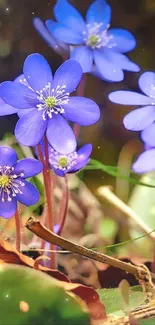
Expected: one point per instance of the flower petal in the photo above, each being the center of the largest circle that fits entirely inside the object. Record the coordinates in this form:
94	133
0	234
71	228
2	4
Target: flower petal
145	162
69	74
84	56
30	128
60	135
63	33
28	166
37	71
30	195
67	15
121	40
148	135
58	172
8	208
6	109
147	84
8	156
126	97
99	12
17	95
82	110
140	118
83	157
120	60
108	70
22	112
58	46
21	79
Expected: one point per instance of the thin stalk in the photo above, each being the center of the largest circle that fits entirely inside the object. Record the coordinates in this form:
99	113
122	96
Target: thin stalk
48	191
63	206
17	226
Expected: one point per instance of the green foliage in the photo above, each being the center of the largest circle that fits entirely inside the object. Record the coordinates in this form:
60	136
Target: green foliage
48	304
114	302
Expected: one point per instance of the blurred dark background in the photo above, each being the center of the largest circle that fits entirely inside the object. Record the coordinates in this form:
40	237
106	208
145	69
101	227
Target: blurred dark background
18	38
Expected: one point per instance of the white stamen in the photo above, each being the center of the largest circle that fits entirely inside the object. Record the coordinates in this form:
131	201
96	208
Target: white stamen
58	96
10	184
95	37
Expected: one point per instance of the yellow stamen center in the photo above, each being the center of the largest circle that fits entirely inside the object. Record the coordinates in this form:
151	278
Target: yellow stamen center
50	101
4	181
63	161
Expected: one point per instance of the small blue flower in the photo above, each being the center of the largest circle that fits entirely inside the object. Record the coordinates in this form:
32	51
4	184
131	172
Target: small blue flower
13	186
48	103
58	46
94	41
70	163
141	119
145	162
6	109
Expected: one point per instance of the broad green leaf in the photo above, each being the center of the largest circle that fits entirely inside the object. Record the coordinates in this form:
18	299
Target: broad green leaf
114	302
30	297
150	321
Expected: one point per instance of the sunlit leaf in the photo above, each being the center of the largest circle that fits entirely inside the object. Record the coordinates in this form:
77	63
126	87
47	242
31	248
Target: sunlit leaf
114	302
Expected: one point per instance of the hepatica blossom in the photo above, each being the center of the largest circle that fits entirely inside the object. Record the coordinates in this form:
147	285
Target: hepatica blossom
48	103
58	46
145	162
13	184
140	119
93	41
70	163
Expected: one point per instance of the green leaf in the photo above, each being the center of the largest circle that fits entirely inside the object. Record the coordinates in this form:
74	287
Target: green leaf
46	302
150	321
114	302
114	171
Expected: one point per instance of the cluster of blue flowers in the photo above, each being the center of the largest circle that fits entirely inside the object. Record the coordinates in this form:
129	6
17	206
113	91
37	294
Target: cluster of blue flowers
44	103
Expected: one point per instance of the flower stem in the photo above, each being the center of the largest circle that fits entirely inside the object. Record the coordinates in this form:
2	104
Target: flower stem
48	191
17	225
80	92
63	206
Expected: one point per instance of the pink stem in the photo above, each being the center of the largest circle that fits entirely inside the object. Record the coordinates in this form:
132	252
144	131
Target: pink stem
49	194
63	206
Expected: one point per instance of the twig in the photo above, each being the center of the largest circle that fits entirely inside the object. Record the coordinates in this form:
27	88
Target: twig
41	231
106	192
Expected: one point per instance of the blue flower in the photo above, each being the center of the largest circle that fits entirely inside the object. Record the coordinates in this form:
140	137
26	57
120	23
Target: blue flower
13	186
70	163
141	119
58	46
6	109
92	41
145	162
48	103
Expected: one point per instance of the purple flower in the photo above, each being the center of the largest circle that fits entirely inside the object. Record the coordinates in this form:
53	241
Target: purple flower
6	109
145	162
142	118
13	186
70	163
58	46
48	103
93	41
